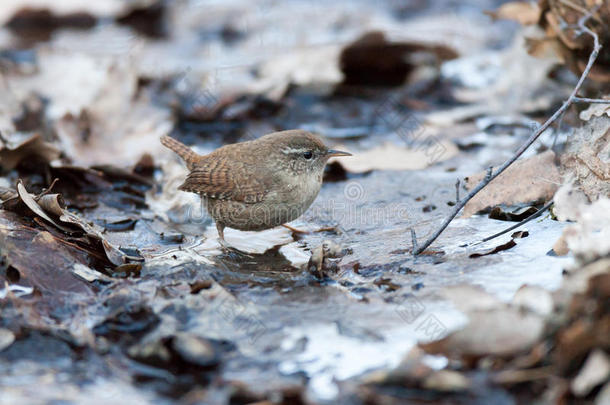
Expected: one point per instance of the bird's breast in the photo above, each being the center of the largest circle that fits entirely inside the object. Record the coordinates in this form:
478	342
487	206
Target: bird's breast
297	191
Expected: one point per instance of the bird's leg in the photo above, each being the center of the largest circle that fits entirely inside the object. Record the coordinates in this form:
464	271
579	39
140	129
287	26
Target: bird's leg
295	230
220	227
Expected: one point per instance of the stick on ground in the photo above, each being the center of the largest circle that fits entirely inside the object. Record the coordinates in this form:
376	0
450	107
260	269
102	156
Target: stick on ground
491	174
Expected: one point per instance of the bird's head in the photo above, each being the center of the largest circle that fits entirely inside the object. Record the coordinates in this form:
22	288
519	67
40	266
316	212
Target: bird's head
302	151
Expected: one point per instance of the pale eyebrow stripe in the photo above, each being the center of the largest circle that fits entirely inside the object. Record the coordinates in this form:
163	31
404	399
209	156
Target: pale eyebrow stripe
288	151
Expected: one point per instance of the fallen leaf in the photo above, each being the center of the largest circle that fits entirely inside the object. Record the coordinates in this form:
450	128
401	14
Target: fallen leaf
15	290
371	60
560	19
595	371
577	280
510	244
28	200
544	48
525	13
314	68
520	234
604	395
118	125
535	299
468	298
393	157
41	260
501	332
595	110
587	157
589	237
65	8
446	380
70	223
568	202
7	338
526	181
587	324
89	274
7	193
20	146
40	23
517	215
560	247
195	350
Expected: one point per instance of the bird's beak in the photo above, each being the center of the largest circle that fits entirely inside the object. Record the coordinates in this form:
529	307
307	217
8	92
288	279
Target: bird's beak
332	152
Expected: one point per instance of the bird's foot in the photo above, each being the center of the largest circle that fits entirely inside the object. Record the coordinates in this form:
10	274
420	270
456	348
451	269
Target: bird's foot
233	251
295	230
334	229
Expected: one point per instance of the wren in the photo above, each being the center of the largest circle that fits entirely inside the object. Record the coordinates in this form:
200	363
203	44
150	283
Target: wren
258	184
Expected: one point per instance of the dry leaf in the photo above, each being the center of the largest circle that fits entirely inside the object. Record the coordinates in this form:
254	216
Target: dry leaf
535	299
468	298
371	60
544	48
54	205
587	156
28	200
594	372
560	247
7	338
502	332
560	19
527	181
589	238
17	147
41	259
595	110
120	124
500	248
89	274
568	201
316	67
392	157
446	380
523	12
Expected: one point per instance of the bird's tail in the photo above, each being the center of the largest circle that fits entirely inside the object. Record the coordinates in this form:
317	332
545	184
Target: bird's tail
186	153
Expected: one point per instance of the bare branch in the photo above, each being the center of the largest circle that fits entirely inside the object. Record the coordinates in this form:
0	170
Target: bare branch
591	100
489	173
492	175
525	221
414	239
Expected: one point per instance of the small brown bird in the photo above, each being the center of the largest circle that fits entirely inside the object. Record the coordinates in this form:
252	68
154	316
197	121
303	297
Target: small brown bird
257	184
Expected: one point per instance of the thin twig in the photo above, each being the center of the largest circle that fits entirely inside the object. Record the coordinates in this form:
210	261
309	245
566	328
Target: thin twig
457	191
414	239
48	190
492	175
525	221
554	147
583	10
591	100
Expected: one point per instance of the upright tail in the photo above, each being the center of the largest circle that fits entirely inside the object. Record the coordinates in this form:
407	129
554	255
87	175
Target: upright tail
186	153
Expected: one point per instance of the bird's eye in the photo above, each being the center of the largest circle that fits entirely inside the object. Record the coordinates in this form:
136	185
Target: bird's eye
308	155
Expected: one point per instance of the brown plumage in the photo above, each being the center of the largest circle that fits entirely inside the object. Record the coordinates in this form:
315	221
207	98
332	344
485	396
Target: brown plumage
186	153
257	184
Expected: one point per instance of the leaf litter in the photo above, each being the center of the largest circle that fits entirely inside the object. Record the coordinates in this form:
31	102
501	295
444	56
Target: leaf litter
117	274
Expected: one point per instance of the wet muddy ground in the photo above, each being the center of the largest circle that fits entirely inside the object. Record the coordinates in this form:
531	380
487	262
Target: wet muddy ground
136	301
